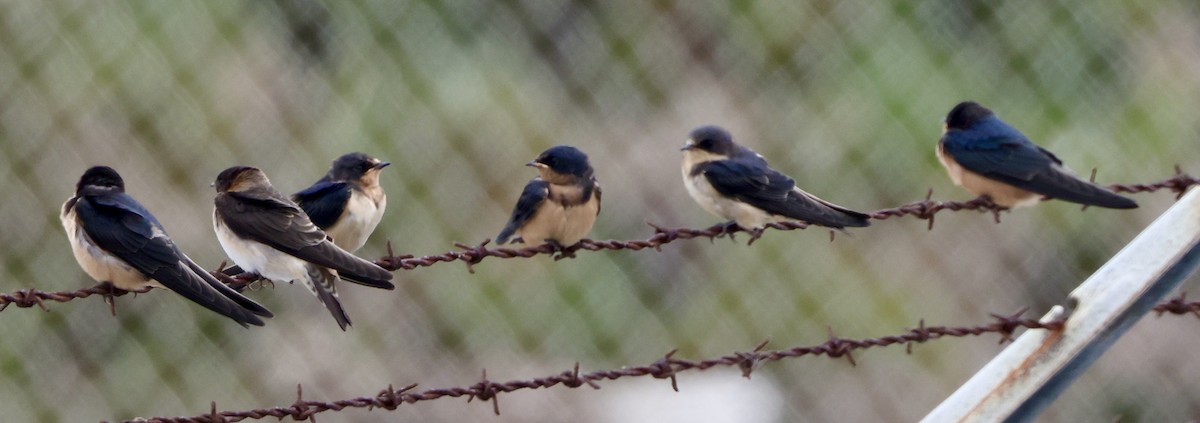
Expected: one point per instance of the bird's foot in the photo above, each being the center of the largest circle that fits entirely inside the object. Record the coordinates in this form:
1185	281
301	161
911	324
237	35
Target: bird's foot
564	251
110	293
987	203
729	229
755	234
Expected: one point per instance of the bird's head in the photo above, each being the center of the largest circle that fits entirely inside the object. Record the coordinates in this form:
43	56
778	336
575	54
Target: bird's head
241	178
100	178
562	164
357	167
964	115
709	143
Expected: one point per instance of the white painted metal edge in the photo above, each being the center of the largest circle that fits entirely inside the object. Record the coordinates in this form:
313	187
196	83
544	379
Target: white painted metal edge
1029	374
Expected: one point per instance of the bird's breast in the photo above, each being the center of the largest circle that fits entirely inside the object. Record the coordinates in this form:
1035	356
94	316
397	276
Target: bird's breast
362	214
97	263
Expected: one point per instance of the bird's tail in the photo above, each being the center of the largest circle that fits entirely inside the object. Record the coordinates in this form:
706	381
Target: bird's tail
1062	185
321	282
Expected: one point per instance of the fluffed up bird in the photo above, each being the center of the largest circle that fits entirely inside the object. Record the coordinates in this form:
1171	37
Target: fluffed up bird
116	240
560	205
265	233
736	183
990	158
348	202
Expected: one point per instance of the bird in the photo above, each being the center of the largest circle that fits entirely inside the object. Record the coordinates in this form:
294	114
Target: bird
992	159
117	241
735	183
348	202
266	233
560	205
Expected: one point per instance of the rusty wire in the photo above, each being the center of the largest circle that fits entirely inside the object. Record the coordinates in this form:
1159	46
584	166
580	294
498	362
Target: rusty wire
925	209
666	367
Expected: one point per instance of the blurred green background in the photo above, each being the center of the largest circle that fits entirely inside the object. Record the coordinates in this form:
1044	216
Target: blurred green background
845	96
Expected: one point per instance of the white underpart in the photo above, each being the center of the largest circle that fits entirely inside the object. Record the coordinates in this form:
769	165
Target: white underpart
746	216
259	258
99	264
359	219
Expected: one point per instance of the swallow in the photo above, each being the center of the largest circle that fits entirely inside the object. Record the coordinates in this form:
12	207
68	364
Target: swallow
992	159
348	202
266	233
560	205
116	240
734	182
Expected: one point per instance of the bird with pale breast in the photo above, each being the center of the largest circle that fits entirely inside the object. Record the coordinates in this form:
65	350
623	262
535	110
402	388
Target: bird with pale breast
348	202
735	183
992	159
558	206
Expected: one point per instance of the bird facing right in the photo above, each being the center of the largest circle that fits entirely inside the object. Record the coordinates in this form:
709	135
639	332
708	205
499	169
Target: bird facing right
348	202
990	158
736	183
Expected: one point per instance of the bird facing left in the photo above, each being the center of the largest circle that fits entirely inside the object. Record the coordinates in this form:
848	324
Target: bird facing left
266	233
117	241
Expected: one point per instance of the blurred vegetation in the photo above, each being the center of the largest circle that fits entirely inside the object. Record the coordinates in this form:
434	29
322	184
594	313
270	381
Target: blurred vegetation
845	96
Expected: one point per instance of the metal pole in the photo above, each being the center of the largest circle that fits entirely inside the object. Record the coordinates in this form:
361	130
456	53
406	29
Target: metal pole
1031	373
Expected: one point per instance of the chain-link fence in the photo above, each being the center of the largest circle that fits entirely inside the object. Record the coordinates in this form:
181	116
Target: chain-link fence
847	97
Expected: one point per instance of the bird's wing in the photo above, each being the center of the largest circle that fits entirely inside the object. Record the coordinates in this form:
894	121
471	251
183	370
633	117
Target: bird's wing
1004	154
534	194
324	202
997	150
596	192
754	183
119	225
286	228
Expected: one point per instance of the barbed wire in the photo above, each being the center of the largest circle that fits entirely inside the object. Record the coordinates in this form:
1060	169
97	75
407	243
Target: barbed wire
666	367
471	255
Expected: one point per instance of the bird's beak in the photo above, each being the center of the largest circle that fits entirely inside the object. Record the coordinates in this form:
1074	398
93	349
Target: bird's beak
535	164
690	144
382	165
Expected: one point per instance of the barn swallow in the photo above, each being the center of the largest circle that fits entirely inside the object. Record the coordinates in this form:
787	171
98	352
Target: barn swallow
118	241
558	206
990	158
348	202
734	182
265	233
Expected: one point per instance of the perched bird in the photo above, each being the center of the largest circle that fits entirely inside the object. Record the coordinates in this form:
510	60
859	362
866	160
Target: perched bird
560	205
990	158
348	202
265	233
736	183
116	240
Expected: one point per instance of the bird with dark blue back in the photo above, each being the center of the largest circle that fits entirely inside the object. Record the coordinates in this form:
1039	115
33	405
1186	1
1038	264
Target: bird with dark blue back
348	202
735	183
990	158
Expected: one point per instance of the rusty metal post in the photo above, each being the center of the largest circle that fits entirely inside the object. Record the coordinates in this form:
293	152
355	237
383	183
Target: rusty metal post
1029	374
